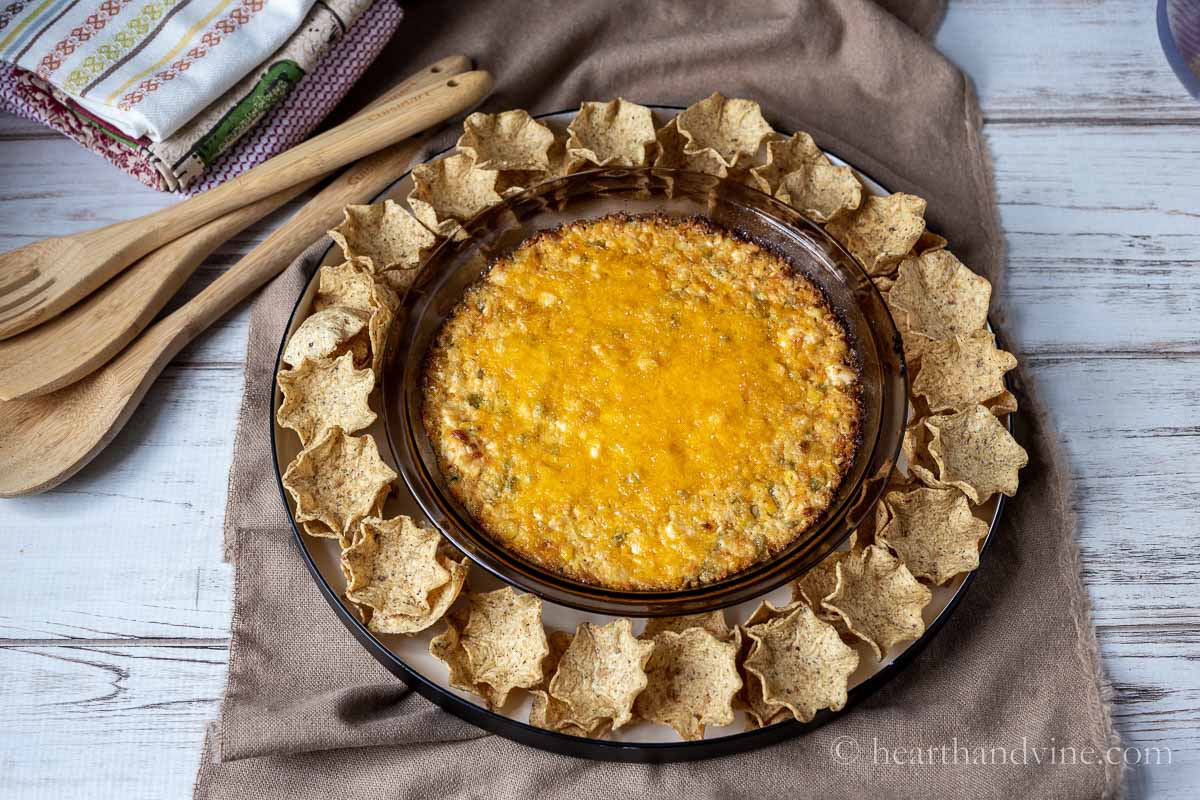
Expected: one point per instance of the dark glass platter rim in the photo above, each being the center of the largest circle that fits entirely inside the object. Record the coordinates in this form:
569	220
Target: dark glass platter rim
600	749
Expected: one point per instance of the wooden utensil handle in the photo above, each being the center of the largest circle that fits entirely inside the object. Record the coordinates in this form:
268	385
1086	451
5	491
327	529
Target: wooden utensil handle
367	132
62	350
200	243
358	184
435	73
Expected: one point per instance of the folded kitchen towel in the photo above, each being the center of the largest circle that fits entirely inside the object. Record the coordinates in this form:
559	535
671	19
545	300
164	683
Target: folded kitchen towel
309	714
333	49
146	66
274	106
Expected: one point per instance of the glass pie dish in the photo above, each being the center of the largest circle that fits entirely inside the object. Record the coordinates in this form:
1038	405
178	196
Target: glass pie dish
460	263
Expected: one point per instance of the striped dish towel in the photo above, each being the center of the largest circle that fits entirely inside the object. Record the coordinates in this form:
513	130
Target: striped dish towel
145	66
270	109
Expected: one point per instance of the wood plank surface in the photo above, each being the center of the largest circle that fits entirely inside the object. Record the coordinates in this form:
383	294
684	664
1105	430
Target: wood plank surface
106	720
1087	62
114	610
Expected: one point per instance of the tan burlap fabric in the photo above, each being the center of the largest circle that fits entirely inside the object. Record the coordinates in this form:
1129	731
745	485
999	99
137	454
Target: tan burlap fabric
308	714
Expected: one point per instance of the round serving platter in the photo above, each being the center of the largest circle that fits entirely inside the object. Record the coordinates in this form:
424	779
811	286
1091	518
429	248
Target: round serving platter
408	657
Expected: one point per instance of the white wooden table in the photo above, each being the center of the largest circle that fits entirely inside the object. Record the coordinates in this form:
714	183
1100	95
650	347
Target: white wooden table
114	601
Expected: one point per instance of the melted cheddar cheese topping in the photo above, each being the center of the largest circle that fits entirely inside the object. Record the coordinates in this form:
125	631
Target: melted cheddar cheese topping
643	403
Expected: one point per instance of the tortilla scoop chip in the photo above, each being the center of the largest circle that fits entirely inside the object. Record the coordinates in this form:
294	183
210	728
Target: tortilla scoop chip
759	713
1003	404
561	163
712	621
766	611
821	191
451	190
361	613
922	465
510	140
882	231
384	236
692	678
914	446
392	567
326	333
514	181
940	296
934	533
602	673
869	528
352	285
318	529
359	345
547	711
447	648
929	242
732	129
338	480
324	392
975	452
914	343
399	280
802	663
672	156
349	285
818	584
440	600
380	324
962	371
785	156
879	599
505	641
494	644
613	134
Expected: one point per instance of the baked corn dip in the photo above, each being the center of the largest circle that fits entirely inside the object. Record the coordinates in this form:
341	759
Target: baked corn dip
643	403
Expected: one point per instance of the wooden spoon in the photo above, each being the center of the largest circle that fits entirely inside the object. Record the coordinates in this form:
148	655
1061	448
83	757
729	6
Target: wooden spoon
41	279
45	440
84	337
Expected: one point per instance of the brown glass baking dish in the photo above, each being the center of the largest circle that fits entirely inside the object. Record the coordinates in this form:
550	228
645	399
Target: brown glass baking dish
459	263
